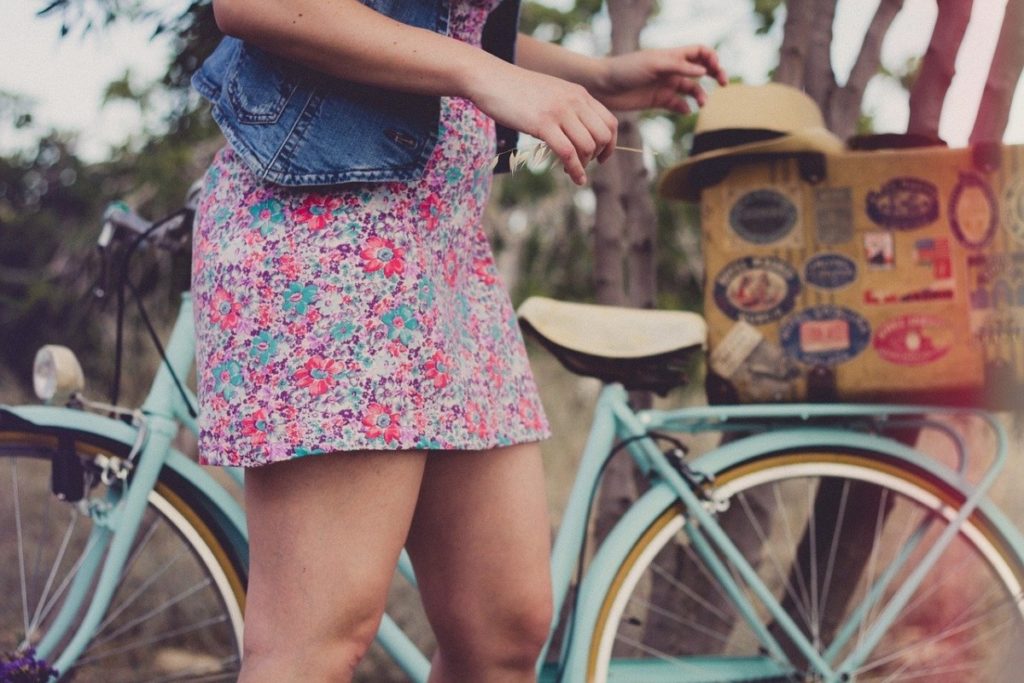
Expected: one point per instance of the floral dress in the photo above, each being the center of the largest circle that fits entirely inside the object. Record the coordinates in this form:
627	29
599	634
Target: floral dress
365	316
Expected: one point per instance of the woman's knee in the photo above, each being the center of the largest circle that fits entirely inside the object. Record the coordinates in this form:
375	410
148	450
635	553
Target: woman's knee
506	634
331	654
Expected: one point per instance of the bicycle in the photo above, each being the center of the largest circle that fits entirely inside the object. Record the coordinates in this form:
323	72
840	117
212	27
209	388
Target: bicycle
154	588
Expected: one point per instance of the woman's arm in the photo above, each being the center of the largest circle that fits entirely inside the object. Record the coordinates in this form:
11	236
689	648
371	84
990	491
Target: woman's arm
645	79
344	38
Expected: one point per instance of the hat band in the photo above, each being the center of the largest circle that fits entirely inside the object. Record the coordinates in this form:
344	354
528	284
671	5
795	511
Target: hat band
730	137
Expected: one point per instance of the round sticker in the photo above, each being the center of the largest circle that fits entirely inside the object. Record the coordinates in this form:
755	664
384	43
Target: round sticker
913	339
763	216
757	289
972	210
825	335
830	271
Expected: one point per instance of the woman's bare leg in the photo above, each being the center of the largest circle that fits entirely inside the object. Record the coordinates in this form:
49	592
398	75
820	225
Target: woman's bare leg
325	532
480	542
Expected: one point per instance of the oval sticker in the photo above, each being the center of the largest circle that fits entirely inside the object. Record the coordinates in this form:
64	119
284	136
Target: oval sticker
757	289
830	271
904	204
972	211
763	216
913	339
825	335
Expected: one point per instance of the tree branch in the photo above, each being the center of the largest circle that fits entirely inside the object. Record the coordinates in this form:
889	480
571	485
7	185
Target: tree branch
844	107
1003	76
938	67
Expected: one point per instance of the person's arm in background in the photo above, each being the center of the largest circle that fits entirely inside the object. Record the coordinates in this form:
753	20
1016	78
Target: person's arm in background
344	38
645	79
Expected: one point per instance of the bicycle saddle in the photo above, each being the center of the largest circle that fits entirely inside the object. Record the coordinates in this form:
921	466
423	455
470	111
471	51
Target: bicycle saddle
641	348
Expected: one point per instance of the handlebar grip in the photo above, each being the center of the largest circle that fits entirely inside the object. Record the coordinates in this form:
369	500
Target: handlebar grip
121	215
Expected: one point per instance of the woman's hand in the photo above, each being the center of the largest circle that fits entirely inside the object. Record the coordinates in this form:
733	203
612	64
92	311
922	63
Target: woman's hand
574	124
658	78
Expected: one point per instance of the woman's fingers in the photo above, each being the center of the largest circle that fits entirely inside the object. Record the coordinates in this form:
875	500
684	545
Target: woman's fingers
581	129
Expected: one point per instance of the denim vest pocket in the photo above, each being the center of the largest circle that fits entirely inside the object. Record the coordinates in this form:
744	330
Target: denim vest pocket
259	87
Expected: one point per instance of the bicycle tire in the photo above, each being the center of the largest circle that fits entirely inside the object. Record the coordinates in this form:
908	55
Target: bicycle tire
177	611
952	629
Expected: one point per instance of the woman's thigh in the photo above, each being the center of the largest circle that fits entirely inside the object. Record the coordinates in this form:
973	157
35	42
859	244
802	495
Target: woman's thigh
325	532
480	542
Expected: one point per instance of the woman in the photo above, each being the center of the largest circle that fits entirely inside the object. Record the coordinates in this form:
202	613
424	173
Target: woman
348	310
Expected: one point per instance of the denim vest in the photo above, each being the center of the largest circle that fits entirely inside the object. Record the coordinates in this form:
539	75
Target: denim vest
295	126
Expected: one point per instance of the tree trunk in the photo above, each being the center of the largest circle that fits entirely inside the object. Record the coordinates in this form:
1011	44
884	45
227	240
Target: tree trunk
624	211
609	223
937	68
795	42
1003	76
819	78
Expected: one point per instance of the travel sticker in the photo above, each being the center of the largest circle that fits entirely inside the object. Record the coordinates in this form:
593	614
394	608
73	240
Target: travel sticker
757	289
825	335
972	210
996	281
913	339
934	252
763	216
1013	209
904	204
830	271
879	251
833	211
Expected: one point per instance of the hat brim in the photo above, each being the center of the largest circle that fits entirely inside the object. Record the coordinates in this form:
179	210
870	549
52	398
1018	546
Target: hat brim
680	182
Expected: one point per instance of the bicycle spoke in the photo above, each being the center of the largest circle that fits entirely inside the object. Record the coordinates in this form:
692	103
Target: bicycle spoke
690	593
37	562
115	612
140	545
812	533
155	611
128	647
770	552
790	540
227	670
833	552
39	615
947	633
871	570
691	623
695	561
21	543
68	578
647	649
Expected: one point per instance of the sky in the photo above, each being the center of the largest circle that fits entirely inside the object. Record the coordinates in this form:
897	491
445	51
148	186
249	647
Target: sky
66	78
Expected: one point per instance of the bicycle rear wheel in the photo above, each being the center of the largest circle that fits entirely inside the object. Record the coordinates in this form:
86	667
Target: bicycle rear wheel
821	529
176	614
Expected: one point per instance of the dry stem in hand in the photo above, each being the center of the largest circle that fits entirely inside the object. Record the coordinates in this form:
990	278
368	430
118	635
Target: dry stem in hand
537	154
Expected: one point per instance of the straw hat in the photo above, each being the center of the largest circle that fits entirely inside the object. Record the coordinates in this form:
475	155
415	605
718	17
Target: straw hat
749	120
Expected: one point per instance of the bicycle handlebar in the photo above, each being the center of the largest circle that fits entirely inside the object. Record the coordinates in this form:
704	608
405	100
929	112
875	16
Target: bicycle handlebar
170	232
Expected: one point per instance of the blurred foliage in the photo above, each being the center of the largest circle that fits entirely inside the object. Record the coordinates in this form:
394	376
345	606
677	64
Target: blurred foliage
558	23
766	12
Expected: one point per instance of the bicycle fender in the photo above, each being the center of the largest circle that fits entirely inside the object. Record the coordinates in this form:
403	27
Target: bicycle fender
43	417
208	486
597	580
58	416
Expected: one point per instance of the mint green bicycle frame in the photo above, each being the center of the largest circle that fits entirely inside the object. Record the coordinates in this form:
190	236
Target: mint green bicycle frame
793	426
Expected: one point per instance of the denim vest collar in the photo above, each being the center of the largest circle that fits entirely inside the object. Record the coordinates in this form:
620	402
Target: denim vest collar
295	126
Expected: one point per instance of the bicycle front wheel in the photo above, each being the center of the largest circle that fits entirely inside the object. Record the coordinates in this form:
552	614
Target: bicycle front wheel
828	533
176	613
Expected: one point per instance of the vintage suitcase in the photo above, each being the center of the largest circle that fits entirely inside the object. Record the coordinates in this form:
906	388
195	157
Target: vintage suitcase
886	275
